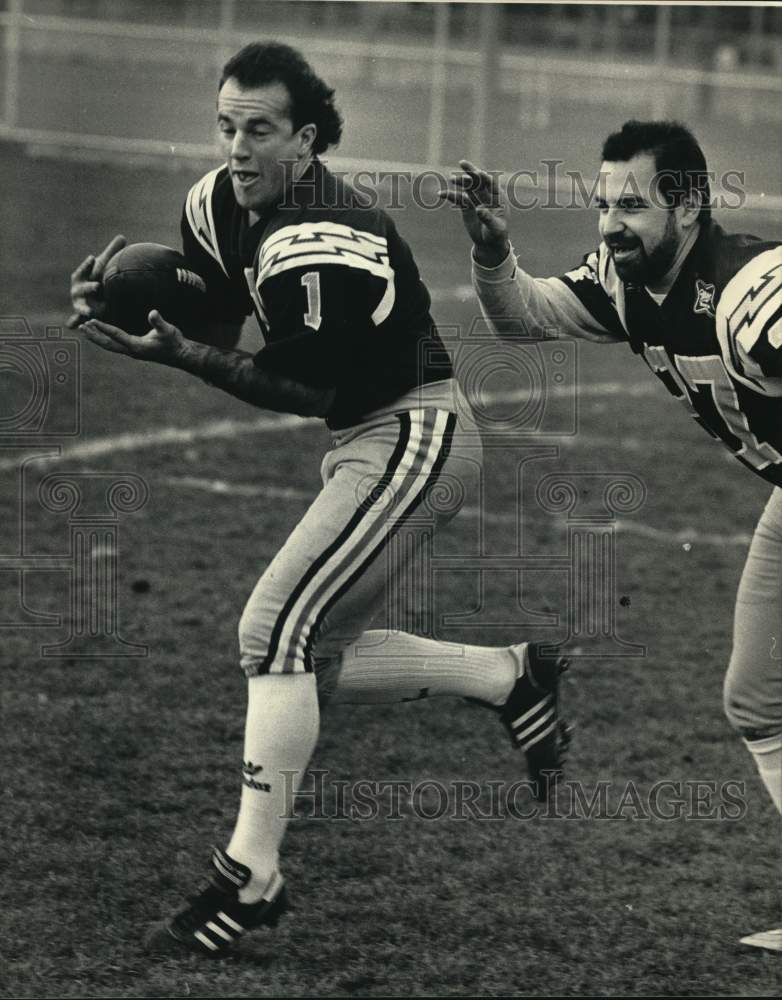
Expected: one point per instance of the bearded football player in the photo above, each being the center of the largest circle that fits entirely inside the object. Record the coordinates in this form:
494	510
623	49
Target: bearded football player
703	309
345	317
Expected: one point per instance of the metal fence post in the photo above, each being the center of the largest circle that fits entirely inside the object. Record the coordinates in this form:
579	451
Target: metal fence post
227	24
12	40
662	54
442	27
485	86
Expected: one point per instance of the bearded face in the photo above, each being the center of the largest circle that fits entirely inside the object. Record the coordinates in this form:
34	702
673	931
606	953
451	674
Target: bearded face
642	233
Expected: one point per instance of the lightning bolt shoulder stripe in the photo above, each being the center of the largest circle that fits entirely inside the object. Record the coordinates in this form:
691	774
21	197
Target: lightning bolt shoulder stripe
323	243
198	209
587	271
310	229
312	244
749	322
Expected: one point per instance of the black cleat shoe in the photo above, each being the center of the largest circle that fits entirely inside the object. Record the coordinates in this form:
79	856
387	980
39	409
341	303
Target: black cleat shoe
214	920
531	716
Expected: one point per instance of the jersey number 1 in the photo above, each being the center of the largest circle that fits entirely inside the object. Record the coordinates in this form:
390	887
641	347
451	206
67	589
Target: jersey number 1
311	283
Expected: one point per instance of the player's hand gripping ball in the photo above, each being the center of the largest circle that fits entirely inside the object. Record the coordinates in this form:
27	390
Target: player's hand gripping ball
146	276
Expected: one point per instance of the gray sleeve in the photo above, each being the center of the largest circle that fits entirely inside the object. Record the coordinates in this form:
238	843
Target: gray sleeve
517	305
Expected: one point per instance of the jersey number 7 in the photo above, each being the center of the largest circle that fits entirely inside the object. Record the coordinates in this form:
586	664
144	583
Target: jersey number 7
710	371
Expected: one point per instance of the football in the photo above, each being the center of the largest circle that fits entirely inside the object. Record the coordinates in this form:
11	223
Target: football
146	276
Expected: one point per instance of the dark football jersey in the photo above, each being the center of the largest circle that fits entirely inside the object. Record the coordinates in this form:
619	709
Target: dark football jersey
219	244
715	340
336	289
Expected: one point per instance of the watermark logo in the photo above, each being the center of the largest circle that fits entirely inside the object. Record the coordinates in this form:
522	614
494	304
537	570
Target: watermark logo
40	414
549	185
399	799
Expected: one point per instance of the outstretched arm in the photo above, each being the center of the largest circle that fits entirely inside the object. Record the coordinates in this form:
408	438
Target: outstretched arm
477	193
515	304
230	370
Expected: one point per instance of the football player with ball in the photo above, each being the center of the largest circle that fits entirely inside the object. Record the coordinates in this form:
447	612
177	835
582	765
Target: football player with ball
345	317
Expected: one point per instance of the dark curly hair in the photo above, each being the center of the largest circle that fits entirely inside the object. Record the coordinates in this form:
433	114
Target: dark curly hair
312	101
678	158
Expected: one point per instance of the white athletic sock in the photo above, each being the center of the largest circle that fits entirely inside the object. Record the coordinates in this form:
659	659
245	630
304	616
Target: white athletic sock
280	735
768	759
384	667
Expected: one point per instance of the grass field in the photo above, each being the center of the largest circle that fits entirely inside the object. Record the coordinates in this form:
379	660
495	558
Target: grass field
120	773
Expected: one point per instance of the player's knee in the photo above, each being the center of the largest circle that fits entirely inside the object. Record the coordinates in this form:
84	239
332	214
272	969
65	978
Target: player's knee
732	702
327	669
750	715
253	642
263	651
246	631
